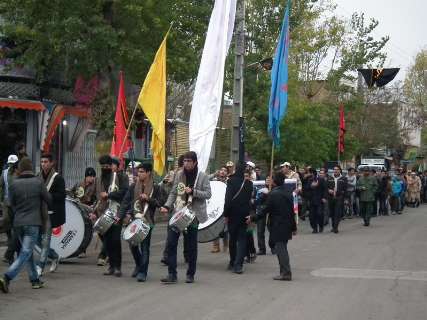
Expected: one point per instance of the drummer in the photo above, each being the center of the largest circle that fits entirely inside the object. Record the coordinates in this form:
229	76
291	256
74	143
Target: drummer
84	191
191	185
144	192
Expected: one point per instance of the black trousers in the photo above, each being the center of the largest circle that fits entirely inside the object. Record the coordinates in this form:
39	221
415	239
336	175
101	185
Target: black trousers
283	257
141	254
336	208
316	217
237	245
383	205
113	246
185	250
190	237
260	229
103	253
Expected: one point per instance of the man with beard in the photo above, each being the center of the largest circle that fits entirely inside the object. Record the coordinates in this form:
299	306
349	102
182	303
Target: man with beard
55	184
290	174
144	192
190	186
337	187
110	191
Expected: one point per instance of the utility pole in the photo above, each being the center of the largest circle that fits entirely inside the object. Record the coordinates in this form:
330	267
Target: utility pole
237	146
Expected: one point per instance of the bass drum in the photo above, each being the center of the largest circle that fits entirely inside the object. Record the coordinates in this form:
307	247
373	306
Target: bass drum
73	237
214	226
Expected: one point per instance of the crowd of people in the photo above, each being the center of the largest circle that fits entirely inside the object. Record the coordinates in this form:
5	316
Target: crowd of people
33	205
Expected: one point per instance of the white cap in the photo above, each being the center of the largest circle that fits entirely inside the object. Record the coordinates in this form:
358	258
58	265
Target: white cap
285	164
135	164
12	159
250	164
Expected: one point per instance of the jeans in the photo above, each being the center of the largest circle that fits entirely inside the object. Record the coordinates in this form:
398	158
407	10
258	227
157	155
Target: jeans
190	241
237	245
141	254
44	242
283	257
28	236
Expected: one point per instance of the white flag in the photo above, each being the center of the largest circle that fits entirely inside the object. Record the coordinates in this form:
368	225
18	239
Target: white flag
208	91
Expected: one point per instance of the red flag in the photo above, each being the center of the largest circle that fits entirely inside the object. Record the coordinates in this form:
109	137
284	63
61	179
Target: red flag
341	131
121	123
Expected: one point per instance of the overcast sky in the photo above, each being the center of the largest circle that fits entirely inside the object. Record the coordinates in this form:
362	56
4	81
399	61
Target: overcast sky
404	21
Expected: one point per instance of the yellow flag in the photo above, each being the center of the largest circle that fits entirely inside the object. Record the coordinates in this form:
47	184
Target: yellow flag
152	100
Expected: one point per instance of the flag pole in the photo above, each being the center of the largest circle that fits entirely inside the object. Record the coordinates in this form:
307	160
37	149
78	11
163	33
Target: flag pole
128	128
271	166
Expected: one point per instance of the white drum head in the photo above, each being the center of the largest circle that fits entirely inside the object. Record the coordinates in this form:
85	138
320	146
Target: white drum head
215	205
67	238
131	229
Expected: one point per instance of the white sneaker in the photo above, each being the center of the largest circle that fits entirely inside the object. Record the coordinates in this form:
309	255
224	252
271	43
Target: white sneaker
39	271
54	265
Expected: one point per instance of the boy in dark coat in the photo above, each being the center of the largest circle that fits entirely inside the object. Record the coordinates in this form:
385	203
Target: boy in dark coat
279	206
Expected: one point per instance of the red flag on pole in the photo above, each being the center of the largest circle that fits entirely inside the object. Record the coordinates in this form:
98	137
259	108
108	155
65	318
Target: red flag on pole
121	123
341	131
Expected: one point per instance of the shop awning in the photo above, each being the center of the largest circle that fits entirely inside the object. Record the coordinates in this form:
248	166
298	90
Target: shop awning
22	104
56	117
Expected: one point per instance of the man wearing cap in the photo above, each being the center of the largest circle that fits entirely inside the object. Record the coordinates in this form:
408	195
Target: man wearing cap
367	185
85	190
110	191
7	177
289	174
26	196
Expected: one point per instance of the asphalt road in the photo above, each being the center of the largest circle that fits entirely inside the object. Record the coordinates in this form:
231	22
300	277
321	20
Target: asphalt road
377	272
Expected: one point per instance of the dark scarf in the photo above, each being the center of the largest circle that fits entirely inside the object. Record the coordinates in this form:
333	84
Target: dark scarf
190	179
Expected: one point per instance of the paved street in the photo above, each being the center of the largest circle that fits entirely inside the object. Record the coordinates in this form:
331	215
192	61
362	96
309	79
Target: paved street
377	273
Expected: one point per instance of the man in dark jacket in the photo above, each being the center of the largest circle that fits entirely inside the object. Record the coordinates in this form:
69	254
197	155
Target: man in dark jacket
144	192
26	195
318	195
110	191
55	184
279	206
237	207
337	187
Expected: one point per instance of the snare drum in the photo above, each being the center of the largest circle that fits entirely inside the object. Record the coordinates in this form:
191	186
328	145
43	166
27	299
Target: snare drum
104	222
181	219
136	232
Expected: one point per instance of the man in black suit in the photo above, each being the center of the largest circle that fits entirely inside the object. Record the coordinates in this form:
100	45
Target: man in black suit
279	206
337	187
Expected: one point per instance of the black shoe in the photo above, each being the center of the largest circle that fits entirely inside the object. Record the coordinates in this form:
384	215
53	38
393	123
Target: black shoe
283	277
320	230
135	272
141	277
261	253
118	273
109	272
335	230
230	267
164	261
238	270
170	279
314	231
4	284
37	284
190	279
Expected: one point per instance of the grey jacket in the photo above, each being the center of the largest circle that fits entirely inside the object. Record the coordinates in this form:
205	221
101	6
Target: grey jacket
201	193
26	194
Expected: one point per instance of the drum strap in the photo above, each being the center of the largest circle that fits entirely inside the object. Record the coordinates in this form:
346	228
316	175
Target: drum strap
238	192
49	185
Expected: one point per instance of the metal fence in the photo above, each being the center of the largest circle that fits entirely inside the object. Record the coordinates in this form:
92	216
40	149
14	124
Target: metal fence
76	162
